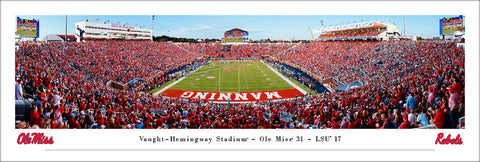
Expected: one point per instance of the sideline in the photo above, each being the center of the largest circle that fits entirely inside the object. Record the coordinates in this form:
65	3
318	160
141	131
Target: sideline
185	76
284	78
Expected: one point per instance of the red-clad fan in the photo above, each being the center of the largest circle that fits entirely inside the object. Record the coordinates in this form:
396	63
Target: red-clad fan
69	88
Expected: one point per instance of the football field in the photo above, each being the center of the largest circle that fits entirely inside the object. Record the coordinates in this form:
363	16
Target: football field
233	77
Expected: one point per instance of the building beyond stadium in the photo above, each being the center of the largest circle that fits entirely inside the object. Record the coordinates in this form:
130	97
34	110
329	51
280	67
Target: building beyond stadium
90	30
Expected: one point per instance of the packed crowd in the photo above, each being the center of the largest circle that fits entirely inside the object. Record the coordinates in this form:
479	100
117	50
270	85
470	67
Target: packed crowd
408	85
351	34
214	50
119	61
299	75
400	75
158	81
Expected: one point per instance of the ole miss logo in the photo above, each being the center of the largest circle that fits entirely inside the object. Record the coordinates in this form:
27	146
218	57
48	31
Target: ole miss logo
441	139
34	138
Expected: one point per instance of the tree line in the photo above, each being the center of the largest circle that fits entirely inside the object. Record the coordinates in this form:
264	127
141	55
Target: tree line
165	38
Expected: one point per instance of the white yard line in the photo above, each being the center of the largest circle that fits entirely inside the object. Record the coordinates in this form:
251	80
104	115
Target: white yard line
245	77
219	77
238	76
284	78
165	88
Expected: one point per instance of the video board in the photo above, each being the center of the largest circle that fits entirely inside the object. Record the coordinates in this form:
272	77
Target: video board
451	25
28	28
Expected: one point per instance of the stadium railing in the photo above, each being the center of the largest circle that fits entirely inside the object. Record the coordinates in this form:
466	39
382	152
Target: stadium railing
431	126
461	123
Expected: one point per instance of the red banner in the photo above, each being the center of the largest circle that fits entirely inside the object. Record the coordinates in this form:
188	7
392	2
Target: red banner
233	96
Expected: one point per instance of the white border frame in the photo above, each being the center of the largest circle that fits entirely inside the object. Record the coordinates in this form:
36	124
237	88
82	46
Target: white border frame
353	140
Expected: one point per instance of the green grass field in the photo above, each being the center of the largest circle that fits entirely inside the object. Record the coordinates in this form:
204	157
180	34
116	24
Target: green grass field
233	40
31	33
233	77
451	30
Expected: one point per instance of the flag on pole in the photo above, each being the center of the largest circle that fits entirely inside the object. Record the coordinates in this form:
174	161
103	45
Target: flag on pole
153	17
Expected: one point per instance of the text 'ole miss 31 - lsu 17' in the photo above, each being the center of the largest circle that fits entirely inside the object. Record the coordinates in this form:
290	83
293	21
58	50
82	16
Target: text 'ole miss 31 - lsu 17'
233	96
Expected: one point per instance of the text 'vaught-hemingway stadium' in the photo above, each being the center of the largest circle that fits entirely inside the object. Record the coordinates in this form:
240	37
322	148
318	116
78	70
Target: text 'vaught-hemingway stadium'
363	75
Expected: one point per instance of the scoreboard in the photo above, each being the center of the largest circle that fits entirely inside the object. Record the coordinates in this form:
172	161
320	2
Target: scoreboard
449	26
28	28
236	35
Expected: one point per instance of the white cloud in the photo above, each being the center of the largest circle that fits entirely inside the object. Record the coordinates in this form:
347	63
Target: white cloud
316	31
202	27
221	21
190	32
182	32
256	31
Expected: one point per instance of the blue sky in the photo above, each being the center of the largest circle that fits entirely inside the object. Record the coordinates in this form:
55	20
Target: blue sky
275	27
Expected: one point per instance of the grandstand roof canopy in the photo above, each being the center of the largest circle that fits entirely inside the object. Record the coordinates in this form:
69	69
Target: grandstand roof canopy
68	36
58	37
363	25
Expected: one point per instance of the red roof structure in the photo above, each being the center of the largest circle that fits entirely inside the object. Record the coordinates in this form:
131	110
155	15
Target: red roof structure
69	37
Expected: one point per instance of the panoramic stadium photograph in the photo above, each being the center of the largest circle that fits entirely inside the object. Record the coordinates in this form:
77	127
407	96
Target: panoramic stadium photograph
240	72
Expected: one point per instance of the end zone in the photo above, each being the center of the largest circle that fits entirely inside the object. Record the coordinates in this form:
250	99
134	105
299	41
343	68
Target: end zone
236	97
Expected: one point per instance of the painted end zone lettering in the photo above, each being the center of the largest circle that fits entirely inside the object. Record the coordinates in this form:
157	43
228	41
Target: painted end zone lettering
233	60
233	96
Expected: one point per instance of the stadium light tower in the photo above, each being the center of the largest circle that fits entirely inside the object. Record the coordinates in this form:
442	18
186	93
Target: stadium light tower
153	17
65	41
404	25
311	33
